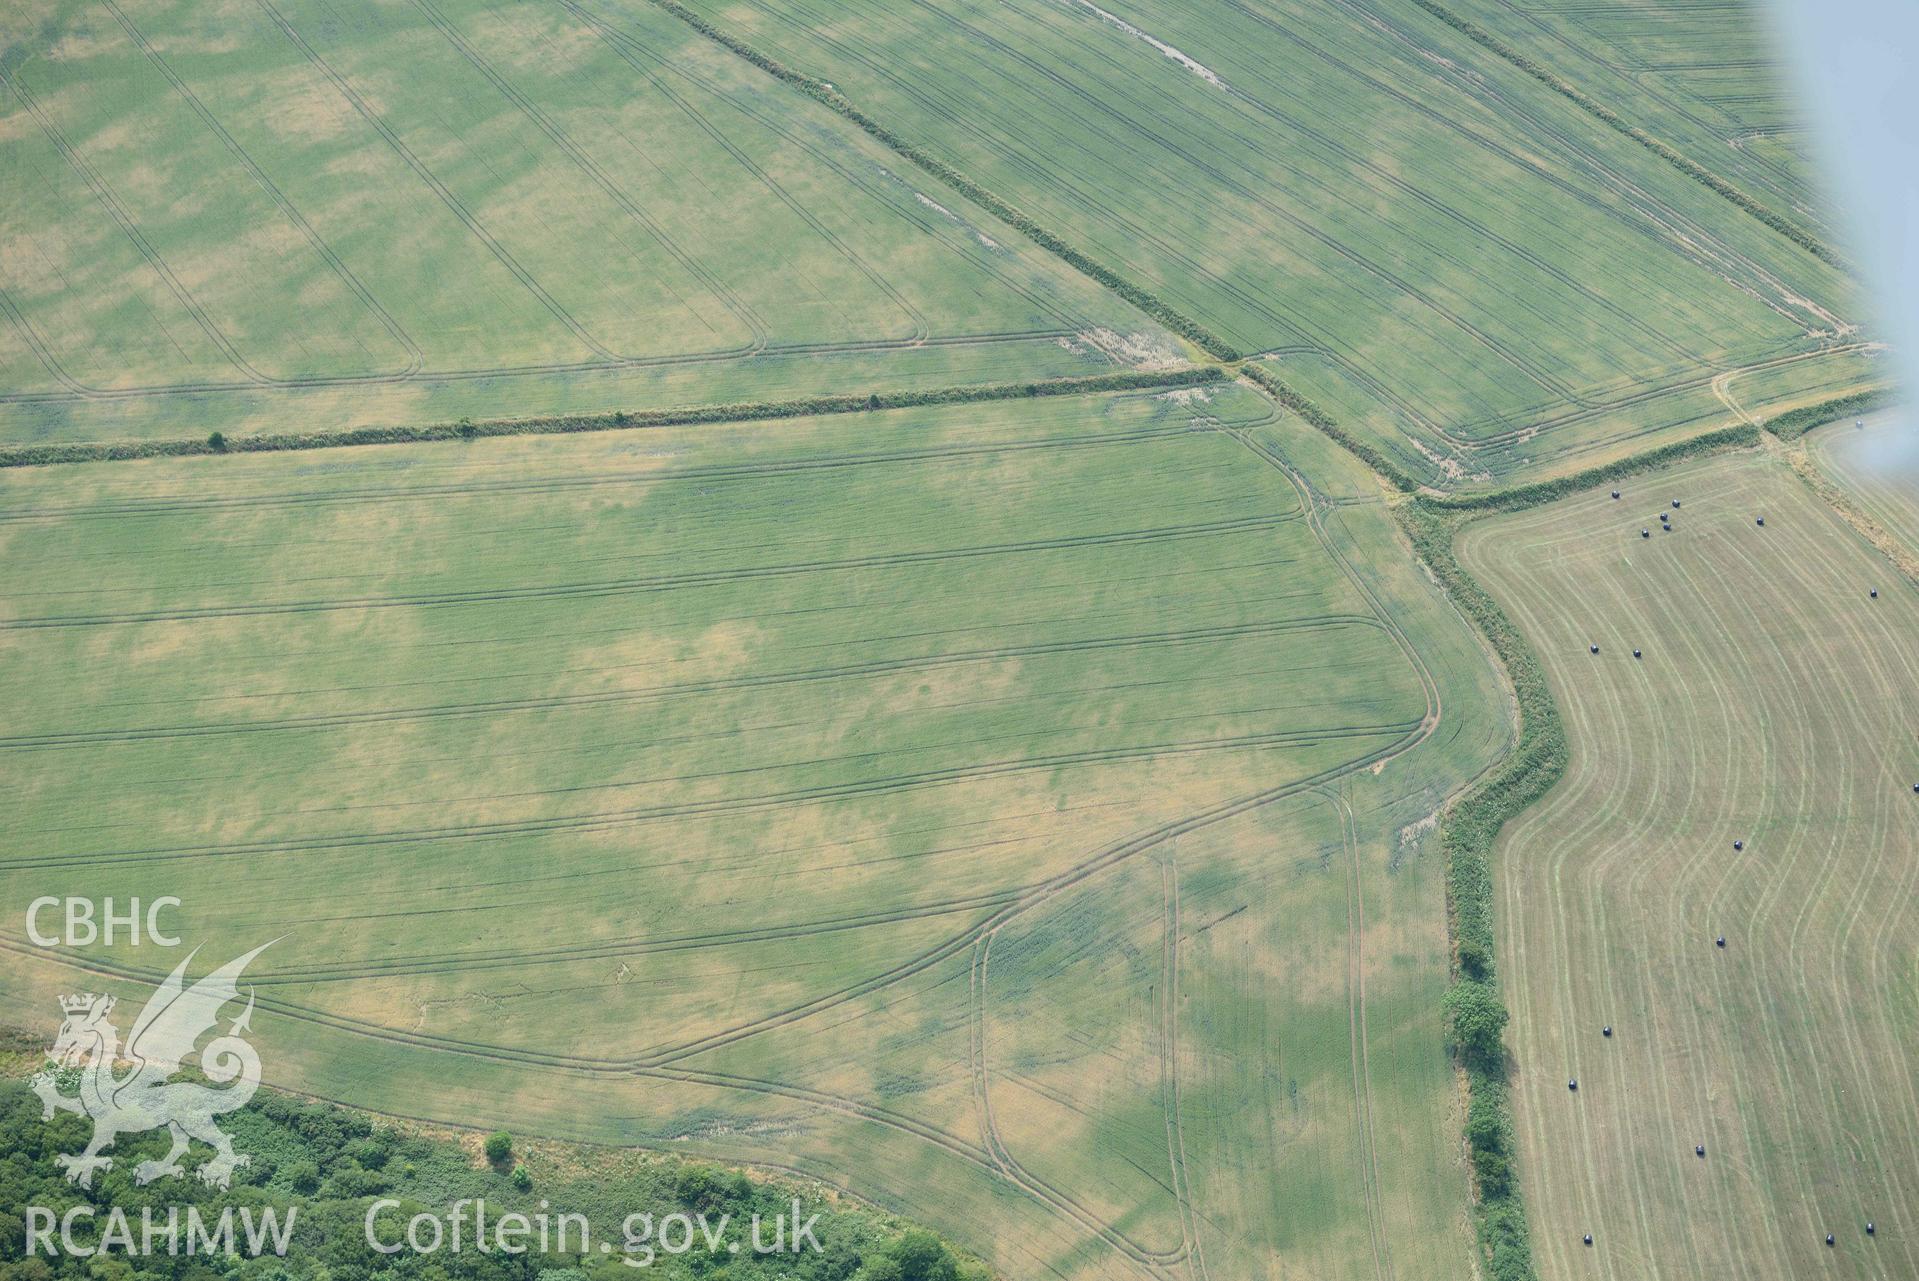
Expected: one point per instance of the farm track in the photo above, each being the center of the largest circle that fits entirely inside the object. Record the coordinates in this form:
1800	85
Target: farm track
431	377
104	196
416	371
494	707
665	1063
354	285
1361	1054
556	135
662	1063
675	1061
656	582
601	820
622	49
500	253
1226	182
190	505
1669	224
1687	230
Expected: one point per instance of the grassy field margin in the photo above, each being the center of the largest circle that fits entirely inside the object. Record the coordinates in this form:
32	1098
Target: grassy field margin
620	420
1795	423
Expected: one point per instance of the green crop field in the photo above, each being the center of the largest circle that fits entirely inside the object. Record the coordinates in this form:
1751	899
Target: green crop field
980	609
1773	706
1016	813
1703	76
1456	261
284	214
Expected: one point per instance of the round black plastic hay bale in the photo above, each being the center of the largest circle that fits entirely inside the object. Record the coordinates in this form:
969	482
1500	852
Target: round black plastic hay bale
1829	1240
1875	593
1615	493
1595	649
1722	940
1645	533
1760	521
1675	502
1739	845
1589	1238
1635	653
1699	1148
1606	1031
1870	1230
1573	1084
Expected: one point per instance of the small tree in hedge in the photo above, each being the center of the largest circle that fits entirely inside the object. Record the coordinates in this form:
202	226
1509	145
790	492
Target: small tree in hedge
499	1146
1474	960
1477	1019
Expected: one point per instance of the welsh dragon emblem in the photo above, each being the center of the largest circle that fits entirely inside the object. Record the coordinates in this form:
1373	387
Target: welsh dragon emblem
144	1098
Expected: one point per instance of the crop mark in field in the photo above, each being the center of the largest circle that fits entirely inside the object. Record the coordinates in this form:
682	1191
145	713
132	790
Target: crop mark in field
1356	1020
458	207
287	208
586	165
1260	198
980	919
494	707
661	582
190	504
130	228
1659	221
604	819
621	48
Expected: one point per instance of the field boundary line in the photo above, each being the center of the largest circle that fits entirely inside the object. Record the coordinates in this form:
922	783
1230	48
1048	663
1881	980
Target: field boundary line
1474	819
618	420
1613	120
1788	431
826	95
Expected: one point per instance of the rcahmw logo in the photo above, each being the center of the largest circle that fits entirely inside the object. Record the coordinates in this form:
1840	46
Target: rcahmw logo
145	1097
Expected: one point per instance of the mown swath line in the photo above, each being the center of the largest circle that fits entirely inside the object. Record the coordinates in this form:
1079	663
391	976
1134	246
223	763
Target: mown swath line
656	583
918	662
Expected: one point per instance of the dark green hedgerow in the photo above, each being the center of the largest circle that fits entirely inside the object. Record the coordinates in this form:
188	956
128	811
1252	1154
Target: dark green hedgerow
1394	475
1475	1016
1671	155
467	429
825	94
1795	423
1545	491
1466	837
